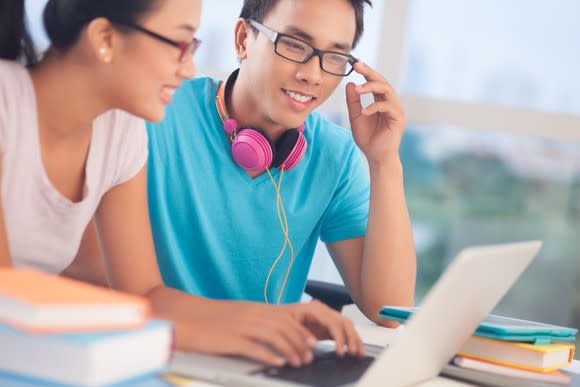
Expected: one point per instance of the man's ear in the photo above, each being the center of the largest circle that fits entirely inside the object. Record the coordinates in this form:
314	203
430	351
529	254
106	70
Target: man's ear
242	33
100	34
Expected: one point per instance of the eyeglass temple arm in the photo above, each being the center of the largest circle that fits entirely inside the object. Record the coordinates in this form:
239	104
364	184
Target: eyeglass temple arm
272	35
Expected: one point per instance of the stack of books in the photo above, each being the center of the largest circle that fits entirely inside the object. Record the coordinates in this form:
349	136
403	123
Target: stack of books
511	351
55	330
520	360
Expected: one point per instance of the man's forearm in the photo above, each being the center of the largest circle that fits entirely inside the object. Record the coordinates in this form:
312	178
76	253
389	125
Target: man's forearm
389	260
168	301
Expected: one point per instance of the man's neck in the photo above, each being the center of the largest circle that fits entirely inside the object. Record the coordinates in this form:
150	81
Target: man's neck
246	111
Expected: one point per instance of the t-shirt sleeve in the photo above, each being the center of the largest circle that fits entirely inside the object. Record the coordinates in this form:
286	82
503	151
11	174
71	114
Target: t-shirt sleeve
133	148
346	217
3	123
6	75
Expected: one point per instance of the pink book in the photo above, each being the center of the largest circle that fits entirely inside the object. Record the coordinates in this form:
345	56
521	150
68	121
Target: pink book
43	303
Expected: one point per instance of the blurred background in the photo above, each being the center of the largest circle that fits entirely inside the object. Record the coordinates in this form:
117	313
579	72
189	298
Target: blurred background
492	150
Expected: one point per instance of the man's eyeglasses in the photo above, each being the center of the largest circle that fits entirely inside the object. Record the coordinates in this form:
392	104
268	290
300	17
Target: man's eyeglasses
298	51
186	49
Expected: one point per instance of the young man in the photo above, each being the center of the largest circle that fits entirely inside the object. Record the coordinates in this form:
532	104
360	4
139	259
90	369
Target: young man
225	232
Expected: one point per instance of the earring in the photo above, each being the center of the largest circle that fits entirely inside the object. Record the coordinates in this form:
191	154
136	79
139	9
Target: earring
103	52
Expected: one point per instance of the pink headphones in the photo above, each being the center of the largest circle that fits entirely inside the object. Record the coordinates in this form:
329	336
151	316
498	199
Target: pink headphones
252	149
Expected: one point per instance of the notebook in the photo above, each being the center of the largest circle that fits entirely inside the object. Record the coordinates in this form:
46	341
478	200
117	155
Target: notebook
501	327
513	374
539	358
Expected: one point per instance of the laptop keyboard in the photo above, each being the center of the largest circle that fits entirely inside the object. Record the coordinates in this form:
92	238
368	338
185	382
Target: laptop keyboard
326	370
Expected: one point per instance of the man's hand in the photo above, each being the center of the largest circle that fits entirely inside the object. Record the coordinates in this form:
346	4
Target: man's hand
274	334
378	128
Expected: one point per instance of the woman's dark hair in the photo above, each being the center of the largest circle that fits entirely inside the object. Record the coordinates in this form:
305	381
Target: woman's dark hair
15	41
65	19
259	9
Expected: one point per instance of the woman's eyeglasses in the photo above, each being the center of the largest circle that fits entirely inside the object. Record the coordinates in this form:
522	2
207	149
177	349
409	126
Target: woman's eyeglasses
186	49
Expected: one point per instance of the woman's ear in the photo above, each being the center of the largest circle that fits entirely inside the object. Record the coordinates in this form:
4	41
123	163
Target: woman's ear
101	34
241	34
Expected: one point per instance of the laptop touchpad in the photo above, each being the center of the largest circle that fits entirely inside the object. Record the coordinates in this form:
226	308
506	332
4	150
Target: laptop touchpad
326	370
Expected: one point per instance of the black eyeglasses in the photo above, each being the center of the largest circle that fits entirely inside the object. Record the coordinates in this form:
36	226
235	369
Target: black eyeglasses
298	51
186	50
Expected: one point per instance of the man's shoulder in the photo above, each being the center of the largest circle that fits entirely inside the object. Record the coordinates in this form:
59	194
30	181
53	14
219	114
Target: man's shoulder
191	102
202	87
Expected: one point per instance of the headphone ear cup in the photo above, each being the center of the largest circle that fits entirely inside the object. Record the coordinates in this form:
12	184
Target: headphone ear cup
290	149
253	150
284	146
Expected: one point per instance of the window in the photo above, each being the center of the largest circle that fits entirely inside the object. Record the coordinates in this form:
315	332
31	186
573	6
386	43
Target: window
478	187
520	53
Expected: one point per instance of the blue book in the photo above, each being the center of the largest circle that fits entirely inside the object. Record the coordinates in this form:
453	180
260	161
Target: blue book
88	359
501	328
11	380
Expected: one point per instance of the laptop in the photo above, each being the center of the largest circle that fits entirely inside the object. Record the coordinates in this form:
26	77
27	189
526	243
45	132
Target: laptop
465	293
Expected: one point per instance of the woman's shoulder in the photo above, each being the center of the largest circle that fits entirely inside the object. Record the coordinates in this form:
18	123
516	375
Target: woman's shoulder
17	101
14	78
11	65
11	73
119	145
119	124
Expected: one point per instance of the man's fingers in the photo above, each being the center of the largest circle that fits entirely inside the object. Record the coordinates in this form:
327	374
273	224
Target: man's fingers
374	87
260	353
299	337
368	72
355	345
286	337
332	321
353	102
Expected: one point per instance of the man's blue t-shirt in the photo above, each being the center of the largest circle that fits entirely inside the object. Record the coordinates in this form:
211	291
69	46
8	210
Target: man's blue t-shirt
216	229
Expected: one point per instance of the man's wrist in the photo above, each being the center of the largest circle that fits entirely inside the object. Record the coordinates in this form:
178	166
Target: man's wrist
390	165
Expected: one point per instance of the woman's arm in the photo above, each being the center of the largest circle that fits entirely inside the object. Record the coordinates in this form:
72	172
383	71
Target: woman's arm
5	260
88	265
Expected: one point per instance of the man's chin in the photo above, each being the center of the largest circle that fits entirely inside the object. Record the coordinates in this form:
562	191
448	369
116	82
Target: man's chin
297	121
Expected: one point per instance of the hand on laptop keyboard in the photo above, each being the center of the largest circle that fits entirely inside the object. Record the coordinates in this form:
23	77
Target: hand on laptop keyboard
327	324
275	334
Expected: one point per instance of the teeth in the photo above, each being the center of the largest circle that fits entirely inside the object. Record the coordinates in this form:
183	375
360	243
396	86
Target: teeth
169	91
299	97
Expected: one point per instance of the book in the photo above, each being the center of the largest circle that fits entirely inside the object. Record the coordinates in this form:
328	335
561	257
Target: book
87	359
500	327
11	380
41	302
526	356
524	376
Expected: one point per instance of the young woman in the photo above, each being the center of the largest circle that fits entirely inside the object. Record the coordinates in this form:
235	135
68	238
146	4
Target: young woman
74	148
